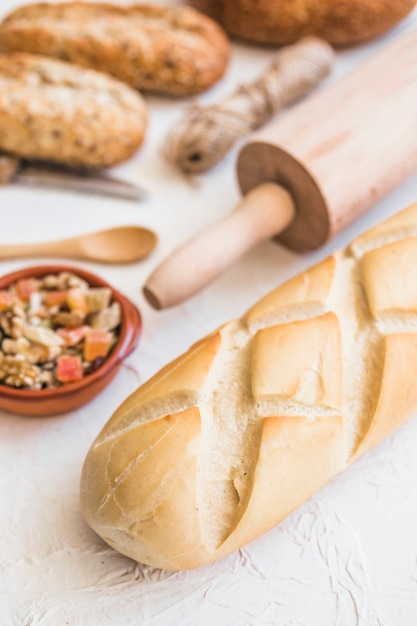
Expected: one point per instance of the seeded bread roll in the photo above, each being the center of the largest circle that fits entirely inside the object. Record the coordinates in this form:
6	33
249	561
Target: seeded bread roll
168	50
342	23
227	440
55	111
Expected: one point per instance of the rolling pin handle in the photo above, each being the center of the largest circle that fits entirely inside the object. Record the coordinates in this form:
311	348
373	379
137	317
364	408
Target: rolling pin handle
263	213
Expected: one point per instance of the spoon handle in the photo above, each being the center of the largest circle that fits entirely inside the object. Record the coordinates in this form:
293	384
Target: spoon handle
49	248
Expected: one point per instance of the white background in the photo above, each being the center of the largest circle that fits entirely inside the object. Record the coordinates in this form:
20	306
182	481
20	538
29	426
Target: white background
348	557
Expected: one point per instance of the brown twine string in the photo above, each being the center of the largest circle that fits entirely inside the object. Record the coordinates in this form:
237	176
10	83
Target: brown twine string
206	134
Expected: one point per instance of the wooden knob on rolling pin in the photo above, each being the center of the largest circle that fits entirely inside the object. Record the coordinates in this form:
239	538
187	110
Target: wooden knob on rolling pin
332	157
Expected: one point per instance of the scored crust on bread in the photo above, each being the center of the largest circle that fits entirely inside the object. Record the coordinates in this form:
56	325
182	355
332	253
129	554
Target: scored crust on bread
169	50
342	23
222	444
60	112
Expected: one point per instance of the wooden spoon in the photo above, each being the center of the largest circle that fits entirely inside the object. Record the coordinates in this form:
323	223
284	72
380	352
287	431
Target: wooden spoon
121	244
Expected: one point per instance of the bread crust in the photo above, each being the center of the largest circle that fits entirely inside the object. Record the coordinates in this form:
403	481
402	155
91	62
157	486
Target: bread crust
235	434
174	51
60	112
342	23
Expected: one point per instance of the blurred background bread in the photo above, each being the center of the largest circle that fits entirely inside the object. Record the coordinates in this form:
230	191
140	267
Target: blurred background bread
342	23
173	51
60	112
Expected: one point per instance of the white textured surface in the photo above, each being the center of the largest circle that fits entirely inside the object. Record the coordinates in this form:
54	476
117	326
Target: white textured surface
346	558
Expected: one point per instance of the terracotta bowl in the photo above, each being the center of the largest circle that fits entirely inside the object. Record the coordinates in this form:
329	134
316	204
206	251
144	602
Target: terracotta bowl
72	395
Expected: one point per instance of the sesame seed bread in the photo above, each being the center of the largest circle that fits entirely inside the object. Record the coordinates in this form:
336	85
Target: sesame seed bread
60	112
174	51
231	437
342	23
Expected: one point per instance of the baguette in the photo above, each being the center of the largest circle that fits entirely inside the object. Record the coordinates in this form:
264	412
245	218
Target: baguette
231	437
60	112
341	23
173	51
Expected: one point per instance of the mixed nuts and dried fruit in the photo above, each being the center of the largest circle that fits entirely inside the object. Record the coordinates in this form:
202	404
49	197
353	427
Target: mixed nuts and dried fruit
55	330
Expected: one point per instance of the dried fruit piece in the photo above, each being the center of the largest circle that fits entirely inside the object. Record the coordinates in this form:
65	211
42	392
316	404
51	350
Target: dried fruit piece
98	298
25	287
55	298
76	300
97	344
109	318
72	336
69	368
6	300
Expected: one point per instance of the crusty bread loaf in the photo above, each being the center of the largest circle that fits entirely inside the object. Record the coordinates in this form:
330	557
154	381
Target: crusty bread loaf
342	23
228	439
169	50
55	111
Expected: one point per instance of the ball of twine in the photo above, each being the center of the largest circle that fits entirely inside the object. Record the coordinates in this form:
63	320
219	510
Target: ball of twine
205	134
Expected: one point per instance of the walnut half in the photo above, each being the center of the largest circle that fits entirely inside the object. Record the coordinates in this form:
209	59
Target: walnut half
17	372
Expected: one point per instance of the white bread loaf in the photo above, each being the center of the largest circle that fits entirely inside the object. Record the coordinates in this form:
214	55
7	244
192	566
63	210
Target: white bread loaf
228	439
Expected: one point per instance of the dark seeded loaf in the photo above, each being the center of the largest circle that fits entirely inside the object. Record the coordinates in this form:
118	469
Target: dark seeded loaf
168	50
340	22
60	112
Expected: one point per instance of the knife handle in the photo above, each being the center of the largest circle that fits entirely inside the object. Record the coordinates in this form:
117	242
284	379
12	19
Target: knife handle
9	166
263	213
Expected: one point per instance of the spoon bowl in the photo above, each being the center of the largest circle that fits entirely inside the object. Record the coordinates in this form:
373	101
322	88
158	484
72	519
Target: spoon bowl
120	244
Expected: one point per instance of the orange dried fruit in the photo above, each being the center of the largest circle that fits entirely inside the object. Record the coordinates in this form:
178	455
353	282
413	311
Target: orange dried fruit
77	301
97	343
25	287
55	298
6	300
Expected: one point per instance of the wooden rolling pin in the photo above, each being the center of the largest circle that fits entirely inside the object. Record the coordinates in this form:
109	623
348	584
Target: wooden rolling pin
311	172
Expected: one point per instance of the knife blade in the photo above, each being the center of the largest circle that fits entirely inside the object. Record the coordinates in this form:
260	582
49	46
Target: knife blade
15	170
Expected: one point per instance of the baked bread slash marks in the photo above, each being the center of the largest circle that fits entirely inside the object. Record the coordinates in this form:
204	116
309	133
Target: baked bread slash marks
235	434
